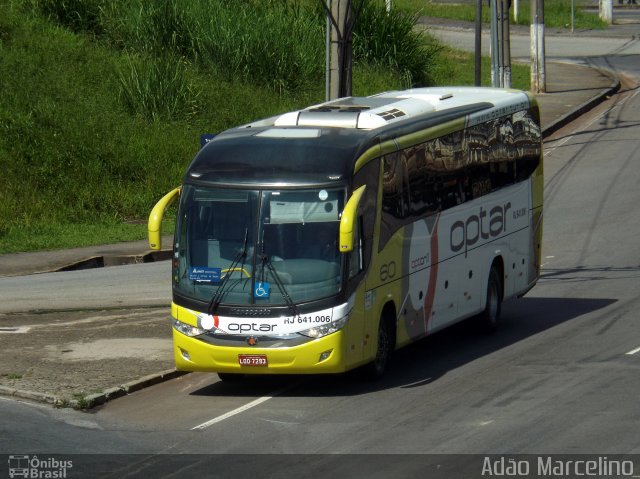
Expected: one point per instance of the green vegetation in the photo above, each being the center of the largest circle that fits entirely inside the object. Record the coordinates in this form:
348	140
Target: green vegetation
102	101
557	13
80	401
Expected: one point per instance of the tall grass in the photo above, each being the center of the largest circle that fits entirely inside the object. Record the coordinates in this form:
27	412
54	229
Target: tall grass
275	43
280	46
389	39
157	88
77	15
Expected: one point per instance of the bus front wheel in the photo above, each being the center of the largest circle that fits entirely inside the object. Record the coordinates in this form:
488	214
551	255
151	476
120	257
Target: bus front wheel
376	368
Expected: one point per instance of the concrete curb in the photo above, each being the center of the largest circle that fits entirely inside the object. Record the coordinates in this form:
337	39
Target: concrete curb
586	106
98	399
93	400
29	395
86	257
115	260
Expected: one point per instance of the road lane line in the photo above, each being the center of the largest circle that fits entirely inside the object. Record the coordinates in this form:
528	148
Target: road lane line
633	351
561	142
15	329
239	410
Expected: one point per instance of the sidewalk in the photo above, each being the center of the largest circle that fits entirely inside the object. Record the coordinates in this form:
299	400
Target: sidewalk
17	264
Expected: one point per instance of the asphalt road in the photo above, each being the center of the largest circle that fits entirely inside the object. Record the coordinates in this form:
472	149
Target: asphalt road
561	375
128	285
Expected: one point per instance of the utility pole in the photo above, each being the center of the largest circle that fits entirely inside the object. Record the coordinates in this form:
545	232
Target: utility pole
327	56
538	74
495	45
478	52
500	44
340	77
340	21
606	11
506	45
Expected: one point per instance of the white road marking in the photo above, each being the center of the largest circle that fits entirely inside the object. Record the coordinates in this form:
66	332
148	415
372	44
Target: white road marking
548	262
15	329
633	351
239	410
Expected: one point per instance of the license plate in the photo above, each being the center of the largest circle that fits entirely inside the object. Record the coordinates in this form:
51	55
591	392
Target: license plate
252	359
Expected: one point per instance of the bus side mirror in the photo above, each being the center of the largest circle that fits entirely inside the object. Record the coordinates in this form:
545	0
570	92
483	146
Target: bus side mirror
348	221
155	218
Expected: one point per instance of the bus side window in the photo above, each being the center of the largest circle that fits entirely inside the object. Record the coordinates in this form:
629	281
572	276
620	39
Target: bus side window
421	180
368	175
395	203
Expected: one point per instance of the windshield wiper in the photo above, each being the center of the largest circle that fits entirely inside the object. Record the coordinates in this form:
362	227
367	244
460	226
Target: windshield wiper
283	291
216	299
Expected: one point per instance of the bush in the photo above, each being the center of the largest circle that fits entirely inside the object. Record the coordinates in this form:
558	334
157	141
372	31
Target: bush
390	39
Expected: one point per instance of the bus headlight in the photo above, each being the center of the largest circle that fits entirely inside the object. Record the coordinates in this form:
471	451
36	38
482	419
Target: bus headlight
325	329
187	329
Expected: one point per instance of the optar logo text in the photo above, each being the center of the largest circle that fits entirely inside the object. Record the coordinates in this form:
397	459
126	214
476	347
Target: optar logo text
481	226
250	327
420	262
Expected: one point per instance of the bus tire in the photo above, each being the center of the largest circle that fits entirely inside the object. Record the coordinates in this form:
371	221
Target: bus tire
488	319
230	377
385	346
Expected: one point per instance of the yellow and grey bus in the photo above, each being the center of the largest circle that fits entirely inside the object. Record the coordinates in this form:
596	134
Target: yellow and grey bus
323	239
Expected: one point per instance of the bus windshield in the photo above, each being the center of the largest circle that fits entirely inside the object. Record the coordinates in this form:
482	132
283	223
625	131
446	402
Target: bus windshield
271	247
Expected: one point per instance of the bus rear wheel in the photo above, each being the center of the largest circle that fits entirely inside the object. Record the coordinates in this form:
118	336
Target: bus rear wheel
488	319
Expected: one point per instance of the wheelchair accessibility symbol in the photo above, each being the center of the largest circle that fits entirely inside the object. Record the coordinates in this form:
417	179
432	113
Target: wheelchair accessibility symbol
262	290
